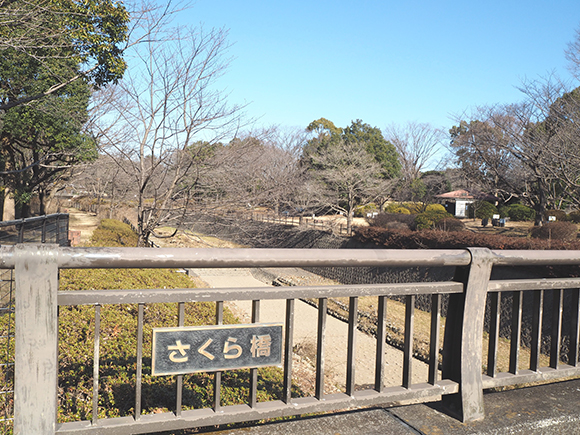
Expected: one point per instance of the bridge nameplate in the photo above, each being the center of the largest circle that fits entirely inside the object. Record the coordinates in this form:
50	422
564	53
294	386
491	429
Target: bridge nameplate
192	349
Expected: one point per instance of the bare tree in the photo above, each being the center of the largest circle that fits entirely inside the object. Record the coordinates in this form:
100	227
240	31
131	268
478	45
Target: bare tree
348	177
165	117
106	181
530	150
573	55
260	169
416	143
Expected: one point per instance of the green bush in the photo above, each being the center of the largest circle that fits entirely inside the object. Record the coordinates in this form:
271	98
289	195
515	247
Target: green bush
429	219
395	207
555	231
503	211
111	233
481	210
435	207
414	207
520	213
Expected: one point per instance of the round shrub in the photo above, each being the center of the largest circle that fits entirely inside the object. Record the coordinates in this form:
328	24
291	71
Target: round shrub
450	224
519	213
503	211
574	217
397	208
397	226
435	207
429	219
560	215
388	220
555	231
413	207
481	210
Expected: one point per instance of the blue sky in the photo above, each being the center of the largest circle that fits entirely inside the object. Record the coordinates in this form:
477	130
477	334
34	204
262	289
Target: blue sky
385	61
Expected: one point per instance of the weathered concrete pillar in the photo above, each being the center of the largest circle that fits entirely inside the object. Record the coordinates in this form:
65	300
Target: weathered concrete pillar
36	329
462	345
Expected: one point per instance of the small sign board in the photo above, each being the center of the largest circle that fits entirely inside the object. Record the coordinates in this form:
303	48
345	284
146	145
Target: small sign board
551	218
495	216
192	349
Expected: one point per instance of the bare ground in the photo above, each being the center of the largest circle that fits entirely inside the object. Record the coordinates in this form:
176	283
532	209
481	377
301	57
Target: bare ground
82	221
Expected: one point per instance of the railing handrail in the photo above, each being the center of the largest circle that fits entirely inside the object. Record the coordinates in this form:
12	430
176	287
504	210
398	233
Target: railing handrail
75	258
36	270
32	219
80	258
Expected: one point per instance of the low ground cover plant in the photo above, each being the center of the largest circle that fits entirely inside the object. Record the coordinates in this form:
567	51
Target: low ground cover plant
118	344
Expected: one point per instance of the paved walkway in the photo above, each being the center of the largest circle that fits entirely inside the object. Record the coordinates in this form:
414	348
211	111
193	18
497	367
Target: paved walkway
542	410
305	327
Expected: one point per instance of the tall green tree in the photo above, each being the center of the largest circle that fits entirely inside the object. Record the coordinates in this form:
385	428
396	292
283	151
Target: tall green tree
327	134
50	33
41	139
54	52
376	145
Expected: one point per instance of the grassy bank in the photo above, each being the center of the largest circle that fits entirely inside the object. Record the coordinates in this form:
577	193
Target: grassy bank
118	344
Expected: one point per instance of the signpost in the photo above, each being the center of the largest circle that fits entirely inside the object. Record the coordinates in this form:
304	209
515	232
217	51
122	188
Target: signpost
192	349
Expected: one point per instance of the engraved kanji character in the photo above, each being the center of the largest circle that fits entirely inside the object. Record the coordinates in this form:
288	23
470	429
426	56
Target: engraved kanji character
261	345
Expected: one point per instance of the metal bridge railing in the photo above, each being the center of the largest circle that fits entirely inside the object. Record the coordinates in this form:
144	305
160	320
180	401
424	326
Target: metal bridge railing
460	381
52	228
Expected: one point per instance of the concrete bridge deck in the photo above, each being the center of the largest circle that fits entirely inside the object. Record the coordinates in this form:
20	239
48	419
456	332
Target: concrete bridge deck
539	410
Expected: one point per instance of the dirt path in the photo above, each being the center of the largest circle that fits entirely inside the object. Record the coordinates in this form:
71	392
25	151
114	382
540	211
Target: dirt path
305	330
82	221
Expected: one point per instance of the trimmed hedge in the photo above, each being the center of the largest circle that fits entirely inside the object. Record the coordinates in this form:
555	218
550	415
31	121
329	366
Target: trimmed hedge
434	239
555	231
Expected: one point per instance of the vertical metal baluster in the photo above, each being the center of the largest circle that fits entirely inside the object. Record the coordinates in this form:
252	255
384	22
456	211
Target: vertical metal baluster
434	338
322	306
96	364
408	345
351	346
495	305
381	337
254	372
139	374
289	338
217	380
516	332
537	316
179	380
575	331
556	328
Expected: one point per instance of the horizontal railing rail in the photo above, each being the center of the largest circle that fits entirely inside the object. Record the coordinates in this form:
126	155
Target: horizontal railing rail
453	371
